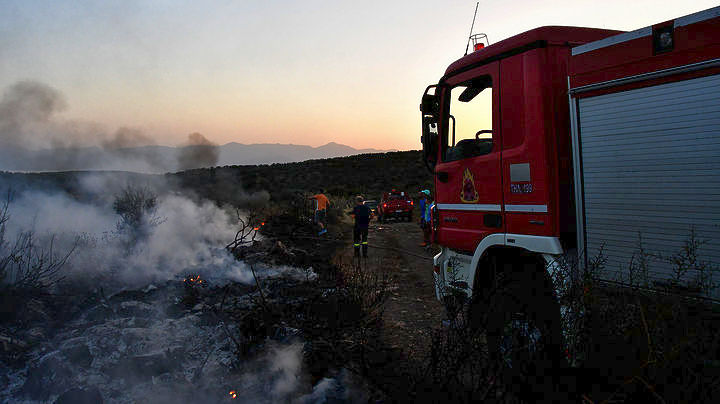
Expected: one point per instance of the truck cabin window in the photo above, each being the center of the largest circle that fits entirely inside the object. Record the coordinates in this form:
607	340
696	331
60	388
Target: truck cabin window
470	123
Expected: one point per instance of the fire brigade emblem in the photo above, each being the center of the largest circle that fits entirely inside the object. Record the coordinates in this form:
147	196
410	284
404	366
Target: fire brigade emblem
468	193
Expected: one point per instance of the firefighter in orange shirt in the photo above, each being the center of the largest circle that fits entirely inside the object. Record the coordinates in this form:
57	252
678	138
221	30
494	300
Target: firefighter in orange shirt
321	210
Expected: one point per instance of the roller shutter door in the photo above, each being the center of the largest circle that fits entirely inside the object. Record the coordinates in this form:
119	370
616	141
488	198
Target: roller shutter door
651	169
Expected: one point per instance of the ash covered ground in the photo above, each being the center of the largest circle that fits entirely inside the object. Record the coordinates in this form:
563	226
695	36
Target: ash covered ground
164	309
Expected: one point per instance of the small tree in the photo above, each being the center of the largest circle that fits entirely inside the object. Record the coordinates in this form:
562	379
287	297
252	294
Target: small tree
137	206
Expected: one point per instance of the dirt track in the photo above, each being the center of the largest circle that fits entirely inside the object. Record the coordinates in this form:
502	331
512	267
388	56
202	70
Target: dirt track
412	311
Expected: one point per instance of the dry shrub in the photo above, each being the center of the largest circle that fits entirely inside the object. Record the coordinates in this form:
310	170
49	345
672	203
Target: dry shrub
651	341
632	341
365	286
137	208
458	367
26	263
29	271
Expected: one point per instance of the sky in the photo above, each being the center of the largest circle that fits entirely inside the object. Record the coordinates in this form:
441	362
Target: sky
269	71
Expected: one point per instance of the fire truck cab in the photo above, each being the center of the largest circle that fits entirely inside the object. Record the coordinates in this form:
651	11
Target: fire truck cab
496	133
562	139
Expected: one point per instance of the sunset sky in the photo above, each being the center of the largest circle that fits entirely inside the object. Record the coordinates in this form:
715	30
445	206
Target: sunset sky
268	71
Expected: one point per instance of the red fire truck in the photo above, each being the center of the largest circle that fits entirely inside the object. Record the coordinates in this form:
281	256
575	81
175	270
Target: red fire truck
568	140
394	204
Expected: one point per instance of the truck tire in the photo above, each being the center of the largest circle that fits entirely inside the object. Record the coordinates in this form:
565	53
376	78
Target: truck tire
409	216
524	337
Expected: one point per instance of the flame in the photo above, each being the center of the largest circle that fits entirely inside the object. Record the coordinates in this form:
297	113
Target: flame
194	281
468	193
233	394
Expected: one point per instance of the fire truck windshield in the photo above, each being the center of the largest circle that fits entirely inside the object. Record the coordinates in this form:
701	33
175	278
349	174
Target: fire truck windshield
470	122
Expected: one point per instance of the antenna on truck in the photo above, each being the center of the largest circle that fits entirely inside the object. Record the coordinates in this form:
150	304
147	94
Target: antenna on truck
471	28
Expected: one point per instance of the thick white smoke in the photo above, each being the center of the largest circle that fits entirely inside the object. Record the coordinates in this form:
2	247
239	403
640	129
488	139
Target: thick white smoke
188	238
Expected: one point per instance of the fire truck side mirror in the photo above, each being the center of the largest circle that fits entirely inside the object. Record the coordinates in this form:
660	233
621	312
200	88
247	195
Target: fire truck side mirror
430	104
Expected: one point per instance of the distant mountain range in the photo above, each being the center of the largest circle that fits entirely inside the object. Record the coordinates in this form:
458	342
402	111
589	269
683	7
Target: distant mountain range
159	159
266	153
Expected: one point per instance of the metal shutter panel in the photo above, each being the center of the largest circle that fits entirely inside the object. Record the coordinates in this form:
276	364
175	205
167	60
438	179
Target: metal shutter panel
651	166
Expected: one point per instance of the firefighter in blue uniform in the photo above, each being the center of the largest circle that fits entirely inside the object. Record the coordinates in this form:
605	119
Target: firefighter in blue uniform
361	213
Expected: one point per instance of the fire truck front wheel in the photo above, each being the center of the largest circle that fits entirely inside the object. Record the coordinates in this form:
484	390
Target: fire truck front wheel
523	330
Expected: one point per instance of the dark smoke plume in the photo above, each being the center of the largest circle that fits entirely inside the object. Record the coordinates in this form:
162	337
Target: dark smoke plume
125	138
27	106
34	137
200	152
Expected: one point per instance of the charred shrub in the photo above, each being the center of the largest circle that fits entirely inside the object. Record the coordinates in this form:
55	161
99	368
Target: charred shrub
29	271
137	207
343	321
26	263
642	340
656	341
365	290
458	366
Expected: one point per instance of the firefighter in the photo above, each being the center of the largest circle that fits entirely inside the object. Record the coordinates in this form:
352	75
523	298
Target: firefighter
321	210
361	213
424	194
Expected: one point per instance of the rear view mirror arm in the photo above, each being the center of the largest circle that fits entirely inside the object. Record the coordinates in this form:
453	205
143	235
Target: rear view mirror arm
453	129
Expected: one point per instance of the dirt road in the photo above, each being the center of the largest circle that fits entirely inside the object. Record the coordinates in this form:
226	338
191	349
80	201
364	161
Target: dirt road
412	311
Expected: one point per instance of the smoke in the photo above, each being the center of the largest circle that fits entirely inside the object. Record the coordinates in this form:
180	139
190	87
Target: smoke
35	137
127	137
28	107
130	348
279	376
187	236
199	152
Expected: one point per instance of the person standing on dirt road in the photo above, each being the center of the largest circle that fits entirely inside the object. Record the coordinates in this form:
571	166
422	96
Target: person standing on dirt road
423	203
361	213
426	218
321	210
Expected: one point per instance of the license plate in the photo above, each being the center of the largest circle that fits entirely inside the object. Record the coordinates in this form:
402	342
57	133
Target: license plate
398	211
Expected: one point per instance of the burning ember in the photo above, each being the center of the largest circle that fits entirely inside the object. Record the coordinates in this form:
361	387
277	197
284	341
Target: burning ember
233	394
193	280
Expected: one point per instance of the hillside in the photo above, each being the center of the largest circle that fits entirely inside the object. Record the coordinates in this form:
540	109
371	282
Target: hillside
366	174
